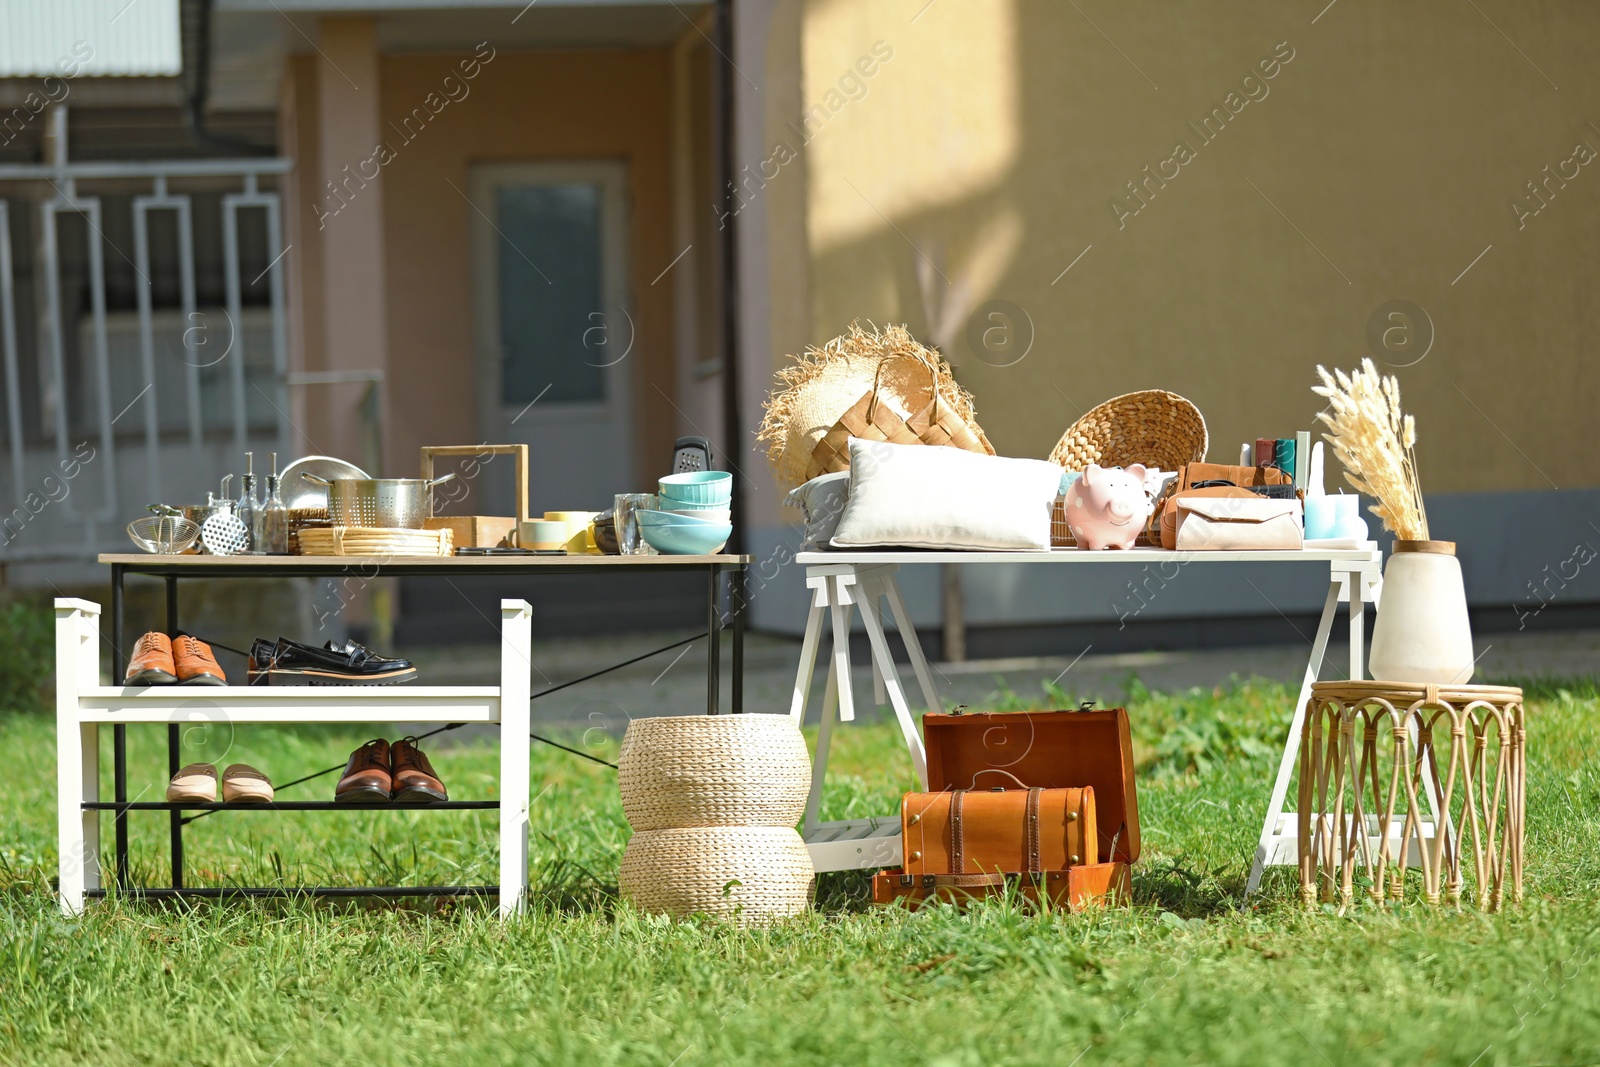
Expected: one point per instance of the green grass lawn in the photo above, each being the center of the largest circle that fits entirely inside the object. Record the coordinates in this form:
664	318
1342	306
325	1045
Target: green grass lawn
1182	976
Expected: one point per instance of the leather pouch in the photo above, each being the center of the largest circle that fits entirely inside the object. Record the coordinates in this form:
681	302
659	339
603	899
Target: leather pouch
1224	523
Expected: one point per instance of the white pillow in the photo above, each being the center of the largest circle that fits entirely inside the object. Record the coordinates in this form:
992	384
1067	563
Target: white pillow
822	501
936	496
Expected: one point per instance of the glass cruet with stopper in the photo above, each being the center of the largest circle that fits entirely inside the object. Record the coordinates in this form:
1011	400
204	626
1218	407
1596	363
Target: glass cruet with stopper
248	509
274	539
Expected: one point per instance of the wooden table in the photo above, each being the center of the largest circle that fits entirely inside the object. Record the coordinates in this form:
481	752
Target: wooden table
842	581
172	569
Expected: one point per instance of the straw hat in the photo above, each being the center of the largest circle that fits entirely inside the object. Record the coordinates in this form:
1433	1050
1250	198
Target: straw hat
826	382
1153	427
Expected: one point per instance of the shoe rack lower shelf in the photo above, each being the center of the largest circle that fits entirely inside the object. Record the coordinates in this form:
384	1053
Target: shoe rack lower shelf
288	805
286	892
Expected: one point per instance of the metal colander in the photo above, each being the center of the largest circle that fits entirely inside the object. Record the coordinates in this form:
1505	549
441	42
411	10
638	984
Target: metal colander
389	503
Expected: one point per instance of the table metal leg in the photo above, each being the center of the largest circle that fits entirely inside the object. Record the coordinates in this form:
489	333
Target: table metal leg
174	743
119	733
516	644
815	620
741	590
891	680
1291	744
713	640
819	761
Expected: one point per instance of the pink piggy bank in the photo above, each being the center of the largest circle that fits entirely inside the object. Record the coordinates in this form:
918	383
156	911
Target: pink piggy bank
1108	506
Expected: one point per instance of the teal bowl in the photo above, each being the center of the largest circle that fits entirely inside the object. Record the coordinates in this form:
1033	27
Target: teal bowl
681	540
698	487
648	519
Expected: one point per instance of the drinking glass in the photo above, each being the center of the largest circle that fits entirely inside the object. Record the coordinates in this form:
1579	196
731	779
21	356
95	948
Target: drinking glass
628	505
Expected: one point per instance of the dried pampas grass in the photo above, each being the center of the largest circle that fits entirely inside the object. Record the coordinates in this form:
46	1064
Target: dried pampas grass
1376	442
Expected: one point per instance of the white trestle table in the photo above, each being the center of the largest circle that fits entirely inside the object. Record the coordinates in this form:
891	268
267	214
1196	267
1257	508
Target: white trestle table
841	582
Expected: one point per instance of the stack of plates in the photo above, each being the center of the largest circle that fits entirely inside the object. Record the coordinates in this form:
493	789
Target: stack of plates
374	541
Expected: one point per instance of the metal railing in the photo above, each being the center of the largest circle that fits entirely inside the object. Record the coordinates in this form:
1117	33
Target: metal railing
75	401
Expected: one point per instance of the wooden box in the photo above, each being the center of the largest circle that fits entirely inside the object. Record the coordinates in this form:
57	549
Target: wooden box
477	531
1087	751
481	531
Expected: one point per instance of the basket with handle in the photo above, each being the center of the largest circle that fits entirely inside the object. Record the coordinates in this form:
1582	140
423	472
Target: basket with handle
871	420
482	451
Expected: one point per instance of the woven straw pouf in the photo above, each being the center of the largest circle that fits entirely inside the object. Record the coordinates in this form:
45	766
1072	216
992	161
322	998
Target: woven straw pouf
713	770
752	875
713	801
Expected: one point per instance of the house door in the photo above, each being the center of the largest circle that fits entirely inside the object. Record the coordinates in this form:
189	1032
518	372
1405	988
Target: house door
554	325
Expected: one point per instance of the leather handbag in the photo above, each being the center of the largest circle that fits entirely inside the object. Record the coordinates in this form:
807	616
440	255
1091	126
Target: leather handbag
1223	523
1214	478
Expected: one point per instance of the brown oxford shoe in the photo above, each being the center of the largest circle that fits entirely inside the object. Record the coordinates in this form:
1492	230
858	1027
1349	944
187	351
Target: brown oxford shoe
196	665
366	777
151	662
414	780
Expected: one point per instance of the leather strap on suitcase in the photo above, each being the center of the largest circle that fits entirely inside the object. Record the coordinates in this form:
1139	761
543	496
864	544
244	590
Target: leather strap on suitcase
1030	834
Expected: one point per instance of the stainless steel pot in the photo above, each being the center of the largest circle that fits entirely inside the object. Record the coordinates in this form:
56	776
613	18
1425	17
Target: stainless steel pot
391	503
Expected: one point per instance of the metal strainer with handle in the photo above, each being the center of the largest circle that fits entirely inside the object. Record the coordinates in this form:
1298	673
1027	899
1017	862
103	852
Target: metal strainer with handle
388	503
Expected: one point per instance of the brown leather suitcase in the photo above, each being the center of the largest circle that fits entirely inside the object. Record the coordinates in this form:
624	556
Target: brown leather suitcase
964	831
1084	757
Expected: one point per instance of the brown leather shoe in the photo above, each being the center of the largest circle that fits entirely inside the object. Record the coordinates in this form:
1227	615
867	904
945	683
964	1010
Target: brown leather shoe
151	663
196	664
414	780
366	777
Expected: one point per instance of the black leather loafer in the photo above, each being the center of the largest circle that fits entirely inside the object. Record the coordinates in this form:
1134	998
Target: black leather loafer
336	663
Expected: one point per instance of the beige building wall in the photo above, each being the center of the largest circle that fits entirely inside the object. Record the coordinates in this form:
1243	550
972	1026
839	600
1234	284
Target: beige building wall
521	107
1378	163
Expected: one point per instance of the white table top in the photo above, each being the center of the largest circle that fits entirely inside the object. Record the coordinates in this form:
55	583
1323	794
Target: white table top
864	557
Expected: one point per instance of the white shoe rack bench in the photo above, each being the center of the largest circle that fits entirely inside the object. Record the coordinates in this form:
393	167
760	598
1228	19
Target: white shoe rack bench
843	583
83	706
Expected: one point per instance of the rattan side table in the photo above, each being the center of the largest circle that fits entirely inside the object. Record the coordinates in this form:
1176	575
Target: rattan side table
1397	774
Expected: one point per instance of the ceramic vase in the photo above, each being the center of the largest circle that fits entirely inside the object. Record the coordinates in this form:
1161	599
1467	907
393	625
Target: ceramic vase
1422	633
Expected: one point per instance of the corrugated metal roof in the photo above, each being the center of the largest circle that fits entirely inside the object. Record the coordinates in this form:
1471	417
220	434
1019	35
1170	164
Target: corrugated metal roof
100	38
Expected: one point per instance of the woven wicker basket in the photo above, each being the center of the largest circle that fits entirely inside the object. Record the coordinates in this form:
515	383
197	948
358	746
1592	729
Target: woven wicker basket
713	770
1153	427
753	875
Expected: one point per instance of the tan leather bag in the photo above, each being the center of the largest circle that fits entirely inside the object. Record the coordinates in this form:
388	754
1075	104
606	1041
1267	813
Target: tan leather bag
1163	527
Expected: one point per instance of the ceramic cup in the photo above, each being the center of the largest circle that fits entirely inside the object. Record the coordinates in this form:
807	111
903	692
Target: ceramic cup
542	534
